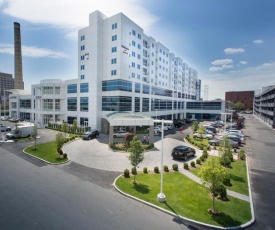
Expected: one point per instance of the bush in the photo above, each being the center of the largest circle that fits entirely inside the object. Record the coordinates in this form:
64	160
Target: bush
185	166
193	164
145	170
226	181
65	155
134	171
225	161
242	155
60	152
205	154
126	173
202	159
156	169
208	147
198	161
235	150
201	146
222	192
175	167
165	168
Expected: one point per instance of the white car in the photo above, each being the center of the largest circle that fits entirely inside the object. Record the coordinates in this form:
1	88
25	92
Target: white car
169	126
203	136
120	133
165	128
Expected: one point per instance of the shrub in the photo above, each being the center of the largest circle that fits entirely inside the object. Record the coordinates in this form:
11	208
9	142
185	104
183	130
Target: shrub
225	161
175	167
226	180
202	159
187	136
193	164
65	155
242	155
198	161
134	171
208	147
201	146
126	173
222	191
185	166
61	152
156	169
235	150
165	168
145	170
205	154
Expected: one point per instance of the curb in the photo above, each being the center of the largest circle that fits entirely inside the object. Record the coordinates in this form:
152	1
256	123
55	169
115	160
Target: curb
175	215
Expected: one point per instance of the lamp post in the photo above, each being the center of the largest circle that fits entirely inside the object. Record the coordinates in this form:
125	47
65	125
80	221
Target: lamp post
161	196
231	111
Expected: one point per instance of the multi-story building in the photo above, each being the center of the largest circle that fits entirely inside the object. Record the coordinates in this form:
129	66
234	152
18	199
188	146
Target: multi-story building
264	106
120	69
244	97
6	83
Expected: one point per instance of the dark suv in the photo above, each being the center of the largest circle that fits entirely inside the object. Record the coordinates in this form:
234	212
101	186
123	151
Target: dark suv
183	152
90	134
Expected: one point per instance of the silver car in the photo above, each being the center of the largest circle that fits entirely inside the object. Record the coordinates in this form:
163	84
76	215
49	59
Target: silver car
120	133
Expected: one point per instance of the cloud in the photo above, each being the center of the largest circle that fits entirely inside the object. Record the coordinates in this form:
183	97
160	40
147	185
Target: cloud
73	15
32	51
258	41
243	62
215	69
234	50
222	62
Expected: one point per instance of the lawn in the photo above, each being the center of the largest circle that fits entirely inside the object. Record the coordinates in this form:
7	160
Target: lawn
46	151
186	198
199	141
238	177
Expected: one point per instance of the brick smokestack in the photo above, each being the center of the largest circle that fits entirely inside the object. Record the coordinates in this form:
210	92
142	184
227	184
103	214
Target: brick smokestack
18	73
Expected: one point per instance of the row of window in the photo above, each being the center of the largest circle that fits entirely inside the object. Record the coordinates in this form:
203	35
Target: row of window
72	88
72	104
50	90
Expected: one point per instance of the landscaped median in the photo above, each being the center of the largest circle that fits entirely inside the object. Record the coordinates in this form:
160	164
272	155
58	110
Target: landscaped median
46	152
186	198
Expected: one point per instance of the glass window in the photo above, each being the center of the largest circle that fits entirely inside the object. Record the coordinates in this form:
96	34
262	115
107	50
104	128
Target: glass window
114	37
133	64
133	75
84	87
138	76
133	54
82	57
82	47
139	36
138	56
113	49
113	72
133	43
117	103
47	90
137	87
84	121
134	32
137	104
82	37
72	88
113	61
25	103
153	45
82	67
146	89
47	104
145	104
84	104
57	104
139	46
114	26
57	89
115	85
138	66
72	104
13	105
82	76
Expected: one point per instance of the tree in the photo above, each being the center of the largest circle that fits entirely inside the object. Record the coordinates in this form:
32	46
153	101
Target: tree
238	106
226	156
64	128
34	135
75	125
201	130
59	140
195	126
136	153
212	174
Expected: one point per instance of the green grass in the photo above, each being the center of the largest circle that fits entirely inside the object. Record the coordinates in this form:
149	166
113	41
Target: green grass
46	151
186	198
199	141
238	177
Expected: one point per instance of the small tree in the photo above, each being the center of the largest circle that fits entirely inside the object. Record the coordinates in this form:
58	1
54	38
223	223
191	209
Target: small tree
34	135
201	130
75	125
59	140
195	126
136	153
212	174
225	152
64	128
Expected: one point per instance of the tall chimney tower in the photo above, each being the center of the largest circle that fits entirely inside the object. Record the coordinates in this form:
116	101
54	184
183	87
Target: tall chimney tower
18	76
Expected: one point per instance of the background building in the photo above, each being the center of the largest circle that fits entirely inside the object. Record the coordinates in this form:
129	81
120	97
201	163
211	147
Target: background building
264	106
244	97
6	83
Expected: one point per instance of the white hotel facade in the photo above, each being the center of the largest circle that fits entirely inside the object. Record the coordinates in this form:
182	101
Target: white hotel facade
119	69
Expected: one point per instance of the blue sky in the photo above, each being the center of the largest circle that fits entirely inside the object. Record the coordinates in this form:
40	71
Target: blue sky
230	43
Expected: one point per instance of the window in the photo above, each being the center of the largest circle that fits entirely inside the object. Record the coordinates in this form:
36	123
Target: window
57	104
137	87
145	104
153	45
13	105
47	104
72	88
138	56
114	37
113	72
114	26
137	104
47	90
117	103
138	76
82	37
82	57
133	43
57	89
115	85
139	46
145	53
82	67
145	43
133	65
82	47
160	50
134	32
152	63
84	121
133	75
133	54
139	36
82	76
84	87
25	104
146	89
84	104
113	61
113	49
153	54
72	104
138	66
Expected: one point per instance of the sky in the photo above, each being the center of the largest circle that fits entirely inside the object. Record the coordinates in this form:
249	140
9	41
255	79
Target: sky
230	43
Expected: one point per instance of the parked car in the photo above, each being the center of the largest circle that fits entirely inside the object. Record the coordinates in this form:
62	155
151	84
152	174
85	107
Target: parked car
165	128
169	126
178	124
4	128
216	125
211	128
120	133
217	141
90	134
203	136
183	152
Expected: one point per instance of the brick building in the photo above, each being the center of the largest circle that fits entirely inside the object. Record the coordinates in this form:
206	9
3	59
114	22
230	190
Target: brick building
244	97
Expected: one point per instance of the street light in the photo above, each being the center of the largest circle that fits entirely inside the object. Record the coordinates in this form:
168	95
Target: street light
231	110
161	196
